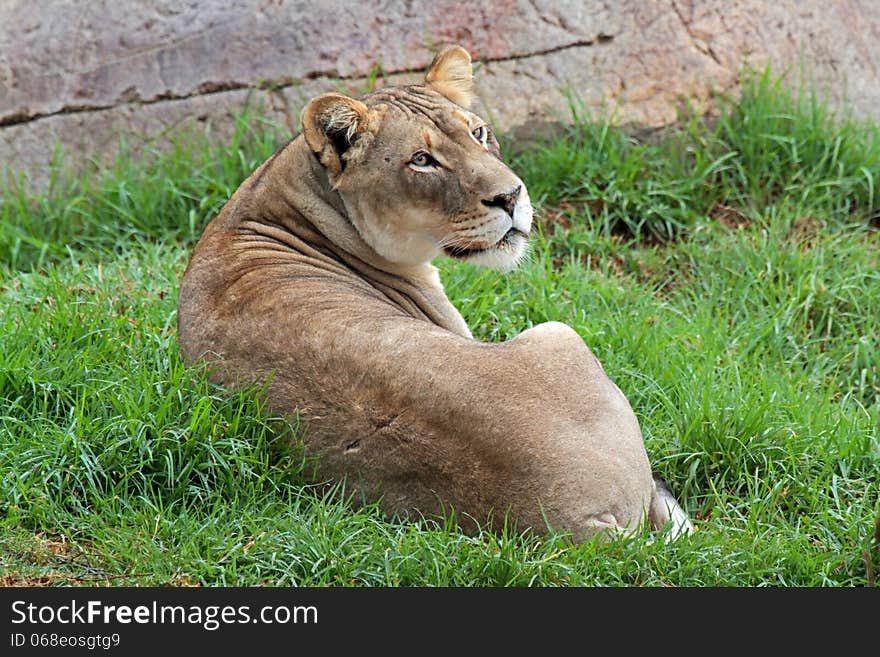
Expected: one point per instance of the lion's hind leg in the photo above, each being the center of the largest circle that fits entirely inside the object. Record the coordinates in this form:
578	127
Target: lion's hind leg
665	513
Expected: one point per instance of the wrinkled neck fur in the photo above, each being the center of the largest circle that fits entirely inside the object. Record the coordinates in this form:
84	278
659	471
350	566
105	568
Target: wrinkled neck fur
312	198
306	203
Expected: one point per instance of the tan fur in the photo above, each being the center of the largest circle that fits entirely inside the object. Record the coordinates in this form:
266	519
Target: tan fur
329	114
315	279
451	75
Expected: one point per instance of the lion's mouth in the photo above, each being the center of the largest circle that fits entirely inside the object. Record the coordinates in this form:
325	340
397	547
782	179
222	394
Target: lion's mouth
466	252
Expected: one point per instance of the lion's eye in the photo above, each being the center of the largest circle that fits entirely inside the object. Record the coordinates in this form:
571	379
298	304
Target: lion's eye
422	159
480	134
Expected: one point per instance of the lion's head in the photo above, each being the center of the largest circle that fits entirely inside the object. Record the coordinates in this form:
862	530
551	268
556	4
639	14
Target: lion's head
419	174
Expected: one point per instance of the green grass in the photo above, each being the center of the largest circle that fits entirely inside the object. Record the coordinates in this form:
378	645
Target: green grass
727	275
769	148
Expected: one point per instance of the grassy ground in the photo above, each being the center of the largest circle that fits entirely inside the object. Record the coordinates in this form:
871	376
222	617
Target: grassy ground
727	276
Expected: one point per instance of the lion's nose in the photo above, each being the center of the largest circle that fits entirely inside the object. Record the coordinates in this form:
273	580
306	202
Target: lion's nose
505	201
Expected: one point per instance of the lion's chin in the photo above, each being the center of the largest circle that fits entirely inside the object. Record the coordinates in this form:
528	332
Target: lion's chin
504	255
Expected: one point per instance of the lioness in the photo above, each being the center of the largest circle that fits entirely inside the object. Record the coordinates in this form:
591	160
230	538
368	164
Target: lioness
316	277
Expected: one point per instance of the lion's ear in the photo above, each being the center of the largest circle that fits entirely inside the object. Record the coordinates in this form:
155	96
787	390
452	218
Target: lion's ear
331	124
452	75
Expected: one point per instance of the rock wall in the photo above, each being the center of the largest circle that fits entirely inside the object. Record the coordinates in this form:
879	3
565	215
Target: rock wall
79	73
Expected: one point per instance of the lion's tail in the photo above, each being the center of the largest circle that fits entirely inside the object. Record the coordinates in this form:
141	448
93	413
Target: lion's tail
666	513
